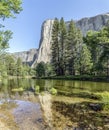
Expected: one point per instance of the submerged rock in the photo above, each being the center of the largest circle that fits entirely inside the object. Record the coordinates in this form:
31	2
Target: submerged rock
95	107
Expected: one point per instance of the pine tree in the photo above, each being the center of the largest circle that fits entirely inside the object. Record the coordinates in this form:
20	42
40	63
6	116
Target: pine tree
62	43
55	46
79	39
85	60
19	67
74	41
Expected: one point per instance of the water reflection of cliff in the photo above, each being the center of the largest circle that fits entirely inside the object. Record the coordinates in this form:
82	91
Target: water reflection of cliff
45	101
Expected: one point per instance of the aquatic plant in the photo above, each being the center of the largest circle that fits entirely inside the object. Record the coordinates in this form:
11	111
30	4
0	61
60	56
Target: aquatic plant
37	89
53	91
17	89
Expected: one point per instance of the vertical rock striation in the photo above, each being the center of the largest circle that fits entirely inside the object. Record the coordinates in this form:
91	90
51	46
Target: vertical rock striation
45	42
93	23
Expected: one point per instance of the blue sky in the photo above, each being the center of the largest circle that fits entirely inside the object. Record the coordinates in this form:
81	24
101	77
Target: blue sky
27	25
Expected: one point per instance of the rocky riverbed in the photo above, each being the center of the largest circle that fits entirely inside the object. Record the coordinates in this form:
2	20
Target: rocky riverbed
47	112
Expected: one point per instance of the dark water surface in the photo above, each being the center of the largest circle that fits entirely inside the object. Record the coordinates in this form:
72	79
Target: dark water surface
68	110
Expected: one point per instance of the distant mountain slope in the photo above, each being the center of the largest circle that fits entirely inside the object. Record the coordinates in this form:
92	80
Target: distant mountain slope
27	56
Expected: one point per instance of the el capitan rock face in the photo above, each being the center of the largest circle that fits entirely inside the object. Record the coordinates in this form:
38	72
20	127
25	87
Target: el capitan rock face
45	42
44	51
84	24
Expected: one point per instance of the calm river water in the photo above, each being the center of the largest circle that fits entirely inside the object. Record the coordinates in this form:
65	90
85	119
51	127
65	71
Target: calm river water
67	110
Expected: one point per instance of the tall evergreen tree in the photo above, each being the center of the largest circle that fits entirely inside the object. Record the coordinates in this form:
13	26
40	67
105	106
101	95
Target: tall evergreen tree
104	43
10	65
55	47
85	60
40	69
74	41
91	40
62	43
79	44
19	67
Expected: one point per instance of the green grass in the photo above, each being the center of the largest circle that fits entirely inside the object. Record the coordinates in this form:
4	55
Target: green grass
104	98
37	89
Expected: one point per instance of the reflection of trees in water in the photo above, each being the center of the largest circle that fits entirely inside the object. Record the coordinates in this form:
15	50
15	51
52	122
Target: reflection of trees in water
45	101
4	90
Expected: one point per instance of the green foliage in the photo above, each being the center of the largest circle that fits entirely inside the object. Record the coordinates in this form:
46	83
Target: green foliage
31	71
37	89
104	98
65	44
62	44
9	66
40	69
49	70
71	48
98	44
9	7
4	74
91	40
17	89
55	46
53	91
85	60
19	67
5	36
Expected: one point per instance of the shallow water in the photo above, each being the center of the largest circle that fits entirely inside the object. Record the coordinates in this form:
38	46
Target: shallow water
68	110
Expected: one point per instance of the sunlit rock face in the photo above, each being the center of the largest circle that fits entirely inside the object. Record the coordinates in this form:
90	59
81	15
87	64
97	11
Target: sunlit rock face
84	24
45	42
27	57
92	23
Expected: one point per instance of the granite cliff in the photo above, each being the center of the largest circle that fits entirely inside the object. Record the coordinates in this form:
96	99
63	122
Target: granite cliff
92	23
44	51
27	57
44	45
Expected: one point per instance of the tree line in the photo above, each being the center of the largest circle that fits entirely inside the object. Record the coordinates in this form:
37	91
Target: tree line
75	54
9	66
